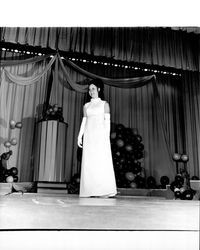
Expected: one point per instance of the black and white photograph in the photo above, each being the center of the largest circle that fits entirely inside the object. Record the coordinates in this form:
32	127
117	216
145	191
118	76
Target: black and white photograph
99	134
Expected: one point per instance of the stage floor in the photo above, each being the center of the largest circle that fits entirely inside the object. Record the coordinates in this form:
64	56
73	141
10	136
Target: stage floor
69	212
136	215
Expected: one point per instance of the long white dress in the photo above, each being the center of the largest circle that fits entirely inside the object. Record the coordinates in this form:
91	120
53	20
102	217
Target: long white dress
97	173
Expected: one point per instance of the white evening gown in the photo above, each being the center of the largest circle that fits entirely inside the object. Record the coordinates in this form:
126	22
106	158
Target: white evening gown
97	173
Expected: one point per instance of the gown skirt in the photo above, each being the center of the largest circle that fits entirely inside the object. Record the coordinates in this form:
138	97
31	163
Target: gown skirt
97	173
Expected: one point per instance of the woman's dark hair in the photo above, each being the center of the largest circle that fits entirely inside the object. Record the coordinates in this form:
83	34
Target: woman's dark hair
99	84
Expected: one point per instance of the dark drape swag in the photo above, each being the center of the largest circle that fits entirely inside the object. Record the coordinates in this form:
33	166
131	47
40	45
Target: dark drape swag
165	109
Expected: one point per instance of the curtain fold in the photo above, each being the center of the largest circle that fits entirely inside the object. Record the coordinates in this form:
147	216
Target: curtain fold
22	103
191	94
138	102
151	45
4	63
133	82
28	80
133	107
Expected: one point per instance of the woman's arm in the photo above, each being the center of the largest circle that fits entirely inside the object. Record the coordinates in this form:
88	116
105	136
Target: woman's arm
82	128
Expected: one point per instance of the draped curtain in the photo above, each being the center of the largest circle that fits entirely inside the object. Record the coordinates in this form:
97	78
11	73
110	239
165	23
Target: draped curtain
179	99
191	88
135	108
151	45
22	91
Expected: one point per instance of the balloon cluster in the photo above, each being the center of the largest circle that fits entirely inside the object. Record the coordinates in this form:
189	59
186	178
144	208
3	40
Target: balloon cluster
180	157
181	188
7	175
53	112
127	153
13	141
181	184
74	185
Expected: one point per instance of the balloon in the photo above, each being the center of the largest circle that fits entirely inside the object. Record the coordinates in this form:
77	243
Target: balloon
13	171
113	135
164	180
141	146
129	148
184	158
120	143
12	124
140	181
136	168
18	125
7	144
179	180
182	189
135	131
15	178
55	107
195	177
151	182
133	184
9	179
187	195
129	176
176	157
13	141
139	138
120	127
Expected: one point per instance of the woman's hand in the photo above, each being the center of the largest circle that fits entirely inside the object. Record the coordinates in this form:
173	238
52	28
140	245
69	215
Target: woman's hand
80	142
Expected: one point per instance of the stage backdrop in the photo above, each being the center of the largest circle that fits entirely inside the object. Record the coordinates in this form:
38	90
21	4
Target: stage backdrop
179	97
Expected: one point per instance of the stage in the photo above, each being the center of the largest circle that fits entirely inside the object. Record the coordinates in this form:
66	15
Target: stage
149	222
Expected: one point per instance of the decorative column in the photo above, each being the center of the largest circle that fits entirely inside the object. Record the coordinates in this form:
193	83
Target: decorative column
50	151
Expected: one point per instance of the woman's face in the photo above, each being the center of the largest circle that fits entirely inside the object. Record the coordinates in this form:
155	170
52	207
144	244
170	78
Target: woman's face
93	91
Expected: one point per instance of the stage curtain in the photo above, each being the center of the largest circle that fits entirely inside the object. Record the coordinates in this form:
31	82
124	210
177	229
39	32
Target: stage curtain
191	87
22	103
135	108
151	45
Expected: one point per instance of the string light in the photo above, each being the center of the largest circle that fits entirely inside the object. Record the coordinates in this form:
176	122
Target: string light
97	62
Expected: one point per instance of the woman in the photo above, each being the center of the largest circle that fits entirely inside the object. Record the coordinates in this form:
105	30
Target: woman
97	173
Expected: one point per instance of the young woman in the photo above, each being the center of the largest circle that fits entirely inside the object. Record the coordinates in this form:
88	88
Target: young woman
97	173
